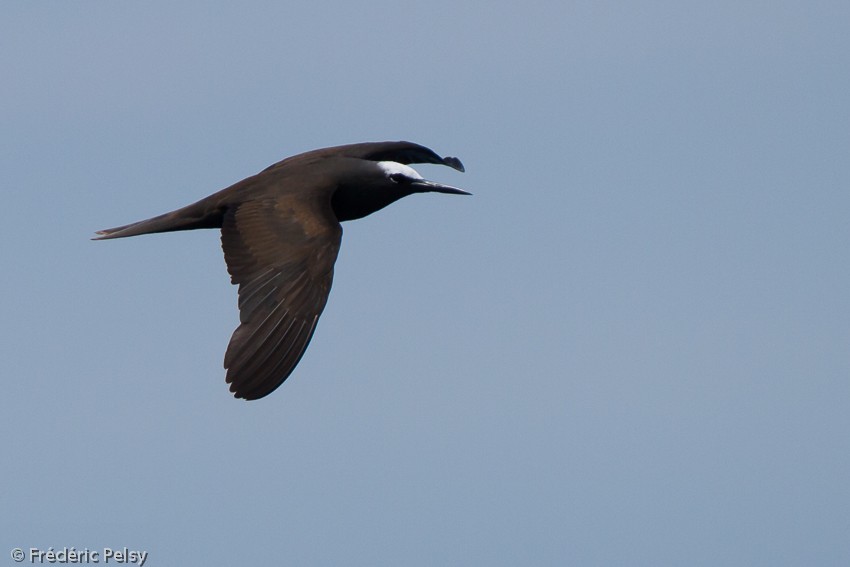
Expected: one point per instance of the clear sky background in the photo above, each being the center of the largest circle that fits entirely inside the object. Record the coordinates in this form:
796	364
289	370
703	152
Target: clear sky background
631	346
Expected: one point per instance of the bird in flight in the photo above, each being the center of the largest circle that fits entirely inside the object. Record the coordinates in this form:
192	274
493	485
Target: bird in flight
280	232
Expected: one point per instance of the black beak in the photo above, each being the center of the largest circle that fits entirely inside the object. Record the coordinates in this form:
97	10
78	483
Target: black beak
425	186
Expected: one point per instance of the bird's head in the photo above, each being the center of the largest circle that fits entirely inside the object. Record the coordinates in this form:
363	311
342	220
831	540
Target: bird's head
408	180
382	183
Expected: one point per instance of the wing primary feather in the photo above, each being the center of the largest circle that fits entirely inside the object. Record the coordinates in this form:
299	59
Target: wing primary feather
261	375
249	290
275	375
249	342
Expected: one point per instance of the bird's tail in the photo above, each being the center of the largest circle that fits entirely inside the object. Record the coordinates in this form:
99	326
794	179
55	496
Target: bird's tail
197	215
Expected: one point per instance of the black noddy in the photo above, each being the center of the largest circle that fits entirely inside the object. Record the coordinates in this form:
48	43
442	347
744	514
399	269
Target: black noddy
280	232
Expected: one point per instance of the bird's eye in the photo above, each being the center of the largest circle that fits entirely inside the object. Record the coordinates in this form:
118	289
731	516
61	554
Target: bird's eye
398	178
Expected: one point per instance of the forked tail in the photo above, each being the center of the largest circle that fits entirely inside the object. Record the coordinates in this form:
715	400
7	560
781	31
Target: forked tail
197	215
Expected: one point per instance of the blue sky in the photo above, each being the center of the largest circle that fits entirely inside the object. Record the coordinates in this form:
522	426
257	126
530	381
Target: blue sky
631	346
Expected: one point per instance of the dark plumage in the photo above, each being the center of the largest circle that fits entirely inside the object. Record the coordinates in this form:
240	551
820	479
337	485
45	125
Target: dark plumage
280	232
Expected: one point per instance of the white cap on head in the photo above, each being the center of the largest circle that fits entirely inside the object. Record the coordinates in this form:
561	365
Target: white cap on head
393	167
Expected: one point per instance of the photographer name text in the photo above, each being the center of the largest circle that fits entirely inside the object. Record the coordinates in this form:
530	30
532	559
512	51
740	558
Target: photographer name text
85	555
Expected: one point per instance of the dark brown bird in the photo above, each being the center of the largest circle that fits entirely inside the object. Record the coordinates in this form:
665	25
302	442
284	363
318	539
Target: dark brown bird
280	232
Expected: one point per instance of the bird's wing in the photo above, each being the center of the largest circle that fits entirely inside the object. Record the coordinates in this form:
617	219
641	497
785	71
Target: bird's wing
401	152
281	252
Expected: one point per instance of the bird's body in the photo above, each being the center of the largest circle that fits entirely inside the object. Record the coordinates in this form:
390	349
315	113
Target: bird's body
280	232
